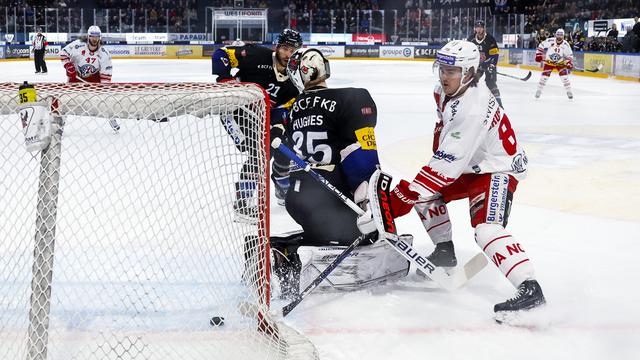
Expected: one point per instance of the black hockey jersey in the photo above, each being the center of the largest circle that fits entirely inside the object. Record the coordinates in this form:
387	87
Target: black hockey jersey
324	122
256	64
488	48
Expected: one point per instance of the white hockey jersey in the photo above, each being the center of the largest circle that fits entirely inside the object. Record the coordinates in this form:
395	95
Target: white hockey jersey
476	137
554	53
90	66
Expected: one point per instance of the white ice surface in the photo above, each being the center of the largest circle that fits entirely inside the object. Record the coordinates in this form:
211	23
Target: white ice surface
576	215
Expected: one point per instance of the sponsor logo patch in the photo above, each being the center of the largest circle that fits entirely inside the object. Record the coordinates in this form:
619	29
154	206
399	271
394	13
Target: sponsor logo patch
366	138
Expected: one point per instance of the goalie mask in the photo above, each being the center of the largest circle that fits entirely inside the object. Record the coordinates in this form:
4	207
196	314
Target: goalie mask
307	66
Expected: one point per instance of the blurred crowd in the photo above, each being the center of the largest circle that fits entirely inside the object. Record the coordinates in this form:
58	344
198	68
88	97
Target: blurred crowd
412	20
543	19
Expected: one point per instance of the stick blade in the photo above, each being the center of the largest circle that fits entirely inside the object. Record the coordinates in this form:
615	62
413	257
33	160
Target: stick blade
527	77
469	270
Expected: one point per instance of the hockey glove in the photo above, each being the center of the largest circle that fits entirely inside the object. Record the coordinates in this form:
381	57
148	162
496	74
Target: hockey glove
569	64
277	131
402	199
538	57
71	72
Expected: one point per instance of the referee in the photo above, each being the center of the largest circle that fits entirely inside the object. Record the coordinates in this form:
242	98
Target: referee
39	49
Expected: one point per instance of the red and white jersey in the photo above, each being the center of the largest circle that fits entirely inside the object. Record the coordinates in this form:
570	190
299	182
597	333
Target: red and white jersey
91	66
554	53
473	136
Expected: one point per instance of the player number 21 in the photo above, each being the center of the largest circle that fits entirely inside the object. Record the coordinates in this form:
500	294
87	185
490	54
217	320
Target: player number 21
507	135
273	90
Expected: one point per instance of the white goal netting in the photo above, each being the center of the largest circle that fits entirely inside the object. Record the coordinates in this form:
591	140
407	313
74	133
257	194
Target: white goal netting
123	244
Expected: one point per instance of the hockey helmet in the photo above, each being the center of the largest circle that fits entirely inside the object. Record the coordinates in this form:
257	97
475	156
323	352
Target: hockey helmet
94	31
479	23
459	53
560	33
307	65
291	38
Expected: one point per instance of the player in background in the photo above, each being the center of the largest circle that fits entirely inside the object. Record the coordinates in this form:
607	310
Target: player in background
555	54
476	156
267	68
39	52
87	60
489	54
333	130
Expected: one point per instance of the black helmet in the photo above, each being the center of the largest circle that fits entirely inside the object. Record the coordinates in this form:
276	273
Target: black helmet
291	38
479	23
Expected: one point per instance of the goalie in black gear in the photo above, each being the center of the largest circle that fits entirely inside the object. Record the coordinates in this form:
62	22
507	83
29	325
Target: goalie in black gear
333	130
267	68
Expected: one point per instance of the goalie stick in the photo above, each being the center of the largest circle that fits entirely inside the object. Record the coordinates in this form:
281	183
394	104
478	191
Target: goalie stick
323	275
516	77
386	225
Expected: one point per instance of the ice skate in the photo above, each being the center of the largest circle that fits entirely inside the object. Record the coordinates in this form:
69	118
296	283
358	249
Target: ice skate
443	256
529	296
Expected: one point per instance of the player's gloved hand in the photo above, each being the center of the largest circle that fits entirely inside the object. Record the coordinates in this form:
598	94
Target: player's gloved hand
538	57
491	68
72	76
365	222
277	131
569	64
402	199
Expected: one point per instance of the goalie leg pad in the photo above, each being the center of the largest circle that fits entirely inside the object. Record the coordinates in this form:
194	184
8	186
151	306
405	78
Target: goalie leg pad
367	265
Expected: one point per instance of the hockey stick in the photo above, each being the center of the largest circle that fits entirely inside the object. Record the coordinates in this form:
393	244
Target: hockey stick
323	275
596	69
516	77
448	281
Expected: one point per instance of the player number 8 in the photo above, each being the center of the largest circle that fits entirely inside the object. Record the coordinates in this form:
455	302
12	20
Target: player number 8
507	135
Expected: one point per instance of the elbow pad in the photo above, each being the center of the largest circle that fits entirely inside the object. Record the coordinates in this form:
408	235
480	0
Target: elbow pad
358	166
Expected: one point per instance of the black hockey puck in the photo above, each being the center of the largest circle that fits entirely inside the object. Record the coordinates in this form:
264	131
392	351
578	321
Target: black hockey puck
217	321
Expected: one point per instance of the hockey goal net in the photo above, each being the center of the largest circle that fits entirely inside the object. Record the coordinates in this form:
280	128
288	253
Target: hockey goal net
125	244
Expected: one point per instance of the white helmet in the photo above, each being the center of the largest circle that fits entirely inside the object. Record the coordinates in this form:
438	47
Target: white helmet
560	32
94	31
459	53
306	65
